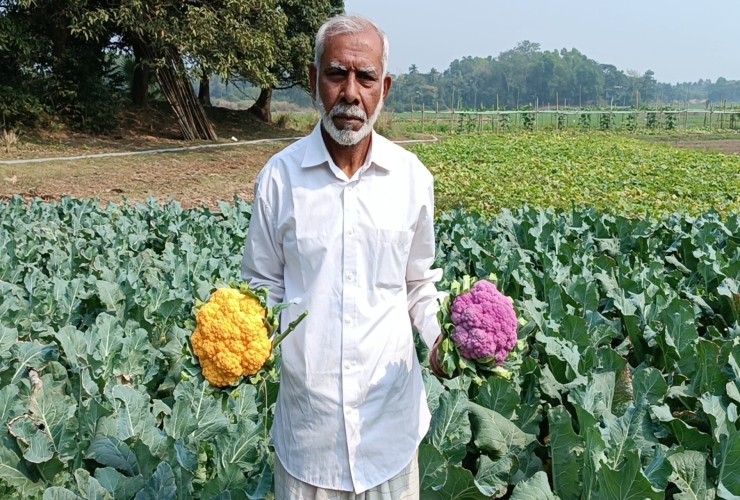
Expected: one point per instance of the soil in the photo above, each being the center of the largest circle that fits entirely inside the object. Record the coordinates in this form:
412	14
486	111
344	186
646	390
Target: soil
193	178
726	146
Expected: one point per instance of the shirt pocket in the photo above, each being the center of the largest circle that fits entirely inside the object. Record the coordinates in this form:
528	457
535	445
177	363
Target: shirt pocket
312	252
391	256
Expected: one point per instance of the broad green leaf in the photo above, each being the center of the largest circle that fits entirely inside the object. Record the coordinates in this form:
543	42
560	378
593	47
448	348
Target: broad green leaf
117	484
32	355
104	341
596	397
90	487
432	468
261	486
242	447
73	345
575	330
717	412
10	406
594	456
563	357
8	338
708	376
229	478
112	297
630	432
243	402
659	469
450	430
492	433
111	452
627	481
187	459
434	390
134	418
493	477
499	395
680	335
534	488
688	437
59	493
40	448
689	474
161	486
138	357
181	422
566	452
13	471
460	485
204	410
727	460
648	386
55	411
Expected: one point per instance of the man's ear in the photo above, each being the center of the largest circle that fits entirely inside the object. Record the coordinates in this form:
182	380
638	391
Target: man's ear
312	72
387	84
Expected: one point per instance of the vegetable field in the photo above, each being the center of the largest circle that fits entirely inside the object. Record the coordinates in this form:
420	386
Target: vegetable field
616	174
626	381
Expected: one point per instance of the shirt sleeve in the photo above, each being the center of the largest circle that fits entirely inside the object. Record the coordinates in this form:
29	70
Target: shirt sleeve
263	261
423	296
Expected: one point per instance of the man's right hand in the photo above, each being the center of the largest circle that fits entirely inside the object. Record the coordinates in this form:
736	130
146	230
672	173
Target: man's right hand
434	363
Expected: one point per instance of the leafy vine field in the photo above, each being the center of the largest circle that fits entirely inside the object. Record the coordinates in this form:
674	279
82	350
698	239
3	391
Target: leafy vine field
618	174
626	380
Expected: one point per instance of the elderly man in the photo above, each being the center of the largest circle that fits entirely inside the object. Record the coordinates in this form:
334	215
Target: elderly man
343	224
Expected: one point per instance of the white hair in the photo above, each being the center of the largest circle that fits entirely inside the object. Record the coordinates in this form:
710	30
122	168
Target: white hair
348	24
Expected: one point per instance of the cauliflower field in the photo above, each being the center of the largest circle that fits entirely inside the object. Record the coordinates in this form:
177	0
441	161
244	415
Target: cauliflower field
627	384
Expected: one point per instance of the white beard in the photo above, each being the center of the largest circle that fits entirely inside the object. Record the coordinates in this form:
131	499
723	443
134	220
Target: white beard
347	136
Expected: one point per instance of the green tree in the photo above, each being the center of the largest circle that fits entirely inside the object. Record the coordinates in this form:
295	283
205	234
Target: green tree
294	49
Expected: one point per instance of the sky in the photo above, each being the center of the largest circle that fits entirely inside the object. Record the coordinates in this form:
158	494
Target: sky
679	40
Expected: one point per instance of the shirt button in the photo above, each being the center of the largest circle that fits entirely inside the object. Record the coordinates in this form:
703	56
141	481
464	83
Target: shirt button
347	366
348	321
348	411
351	231
350	276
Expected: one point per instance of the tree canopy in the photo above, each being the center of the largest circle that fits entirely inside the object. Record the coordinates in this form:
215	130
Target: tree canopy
63	57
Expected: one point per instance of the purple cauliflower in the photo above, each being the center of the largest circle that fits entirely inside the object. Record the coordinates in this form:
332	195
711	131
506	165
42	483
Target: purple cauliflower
485	323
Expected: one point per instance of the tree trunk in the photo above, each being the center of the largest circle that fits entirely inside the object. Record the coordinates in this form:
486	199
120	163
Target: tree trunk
261	108
204	90
176	86
140	85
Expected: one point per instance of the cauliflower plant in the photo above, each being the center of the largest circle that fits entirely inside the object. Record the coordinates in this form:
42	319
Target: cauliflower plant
479	329
485	323
235	334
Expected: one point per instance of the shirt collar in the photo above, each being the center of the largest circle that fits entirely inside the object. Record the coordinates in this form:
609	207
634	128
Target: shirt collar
381	154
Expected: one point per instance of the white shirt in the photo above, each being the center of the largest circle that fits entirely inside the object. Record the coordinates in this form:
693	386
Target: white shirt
357	254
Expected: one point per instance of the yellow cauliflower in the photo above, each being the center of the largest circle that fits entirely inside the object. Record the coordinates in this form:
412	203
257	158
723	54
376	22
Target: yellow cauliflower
231	338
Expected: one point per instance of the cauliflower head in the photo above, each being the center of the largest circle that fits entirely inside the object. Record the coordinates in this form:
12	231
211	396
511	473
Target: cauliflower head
231	338
485	323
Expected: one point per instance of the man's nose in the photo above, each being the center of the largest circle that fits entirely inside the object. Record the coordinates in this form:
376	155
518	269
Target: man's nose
352	90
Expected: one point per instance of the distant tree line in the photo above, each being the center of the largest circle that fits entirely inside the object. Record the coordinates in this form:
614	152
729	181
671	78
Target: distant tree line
529	76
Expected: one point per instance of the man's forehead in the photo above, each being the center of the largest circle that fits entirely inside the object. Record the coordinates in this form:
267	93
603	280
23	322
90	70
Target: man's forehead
364	45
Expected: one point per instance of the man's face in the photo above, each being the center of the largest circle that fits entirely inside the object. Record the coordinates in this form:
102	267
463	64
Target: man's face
349	87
